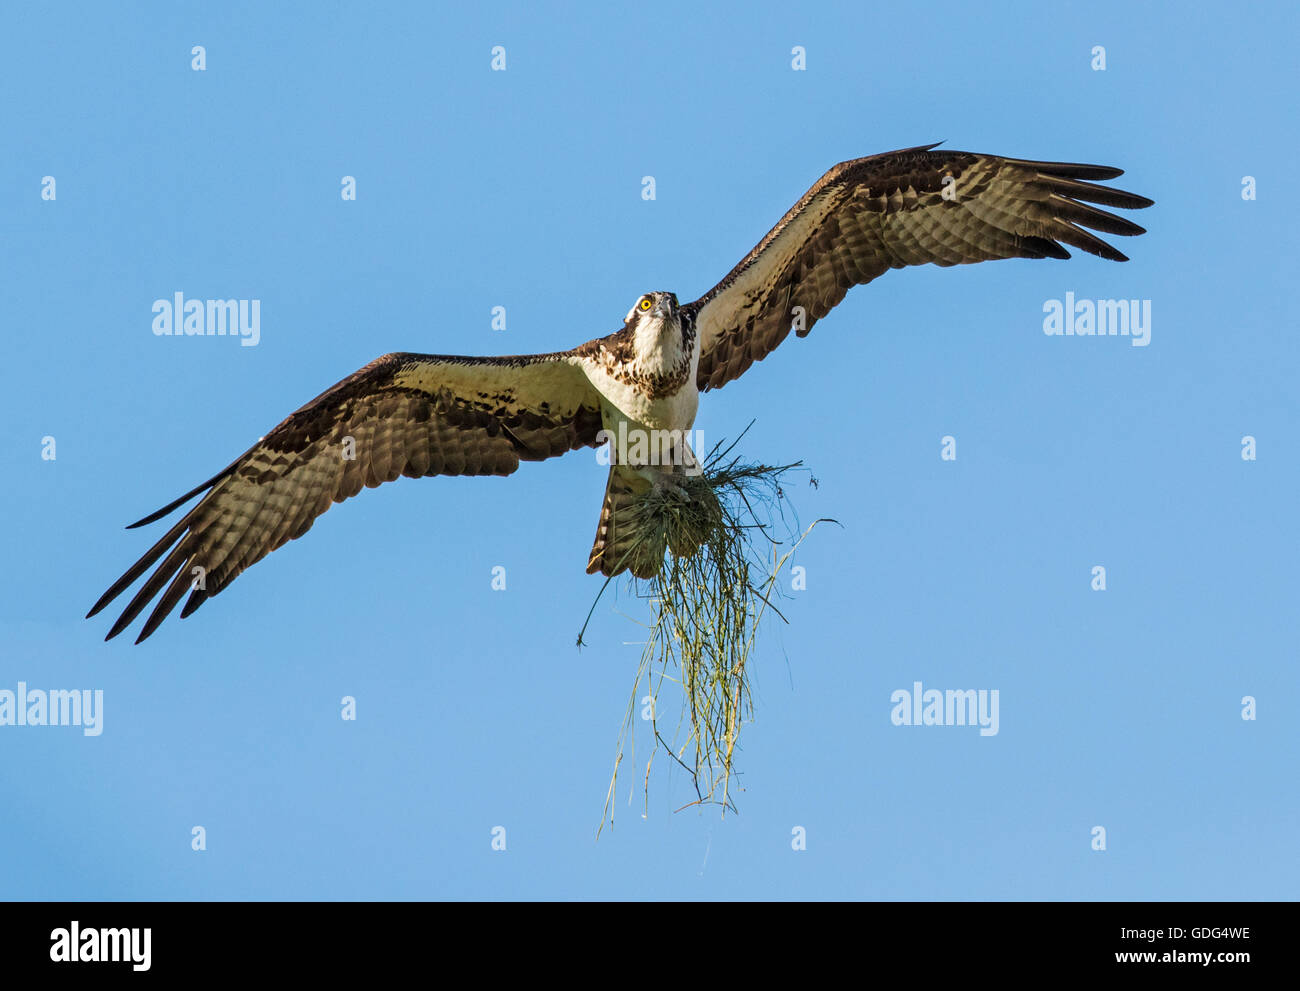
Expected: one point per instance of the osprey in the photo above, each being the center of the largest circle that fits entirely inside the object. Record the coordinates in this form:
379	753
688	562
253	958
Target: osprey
422	414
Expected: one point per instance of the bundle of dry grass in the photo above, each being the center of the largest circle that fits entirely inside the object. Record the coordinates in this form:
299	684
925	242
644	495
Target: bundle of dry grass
719	562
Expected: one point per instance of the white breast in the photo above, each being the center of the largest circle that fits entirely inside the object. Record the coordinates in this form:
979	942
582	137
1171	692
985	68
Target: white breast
674	412
630	409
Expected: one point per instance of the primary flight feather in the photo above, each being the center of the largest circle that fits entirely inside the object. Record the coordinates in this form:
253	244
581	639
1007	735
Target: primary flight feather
419	414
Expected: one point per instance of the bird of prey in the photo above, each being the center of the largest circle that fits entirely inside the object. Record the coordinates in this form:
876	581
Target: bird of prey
425	414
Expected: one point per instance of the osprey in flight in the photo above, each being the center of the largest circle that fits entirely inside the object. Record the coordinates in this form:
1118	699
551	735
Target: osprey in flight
424	414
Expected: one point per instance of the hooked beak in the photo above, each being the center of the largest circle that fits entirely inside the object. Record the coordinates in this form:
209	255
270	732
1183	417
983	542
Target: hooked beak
667	306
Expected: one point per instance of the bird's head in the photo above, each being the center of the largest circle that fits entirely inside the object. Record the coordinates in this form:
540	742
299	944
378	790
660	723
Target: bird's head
659	308
656	324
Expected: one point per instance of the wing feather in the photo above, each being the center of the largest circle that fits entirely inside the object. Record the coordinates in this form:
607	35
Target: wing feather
403	414
911	207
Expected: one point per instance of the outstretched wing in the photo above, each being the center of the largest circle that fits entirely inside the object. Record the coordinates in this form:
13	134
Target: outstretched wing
402	414
907	207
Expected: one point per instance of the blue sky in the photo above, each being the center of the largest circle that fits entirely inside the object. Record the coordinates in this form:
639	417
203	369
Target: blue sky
1119	708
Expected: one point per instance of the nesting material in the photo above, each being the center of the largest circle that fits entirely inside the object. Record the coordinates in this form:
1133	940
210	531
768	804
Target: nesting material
721	546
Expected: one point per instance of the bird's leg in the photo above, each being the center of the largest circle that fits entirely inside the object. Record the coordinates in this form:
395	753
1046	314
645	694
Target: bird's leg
667	481
689	462
663	479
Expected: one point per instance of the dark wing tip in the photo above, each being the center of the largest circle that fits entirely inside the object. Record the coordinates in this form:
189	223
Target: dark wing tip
157	551
196	599
159	514
122	623
1070	170
113	592
1043	247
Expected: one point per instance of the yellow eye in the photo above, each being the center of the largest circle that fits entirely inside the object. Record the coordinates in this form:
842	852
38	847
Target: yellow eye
645	303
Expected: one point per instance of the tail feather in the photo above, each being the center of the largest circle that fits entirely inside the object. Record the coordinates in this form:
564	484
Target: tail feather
616	547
